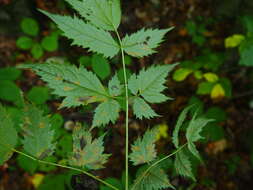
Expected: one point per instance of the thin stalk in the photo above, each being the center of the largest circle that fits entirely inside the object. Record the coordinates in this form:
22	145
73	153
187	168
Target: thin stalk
127	108
154	164
67	167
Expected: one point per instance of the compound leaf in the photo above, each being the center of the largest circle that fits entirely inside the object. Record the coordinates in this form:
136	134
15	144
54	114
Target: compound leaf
87	152
78	85
106	112
105	14
143	42
179	123
114	86
86	35
8	136
38	133
142	109
150	83
183	165
154	179
143	149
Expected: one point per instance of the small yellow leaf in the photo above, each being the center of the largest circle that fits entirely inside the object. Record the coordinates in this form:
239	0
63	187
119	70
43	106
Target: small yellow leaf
162	131
211	77
217	92
234	40
37	179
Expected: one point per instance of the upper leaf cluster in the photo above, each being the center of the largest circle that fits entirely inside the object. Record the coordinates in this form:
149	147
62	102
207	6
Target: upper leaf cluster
100	18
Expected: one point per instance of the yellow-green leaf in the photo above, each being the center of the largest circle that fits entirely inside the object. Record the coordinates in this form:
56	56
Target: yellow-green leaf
198	74
181	74
162	131
217	92
211	77
234	40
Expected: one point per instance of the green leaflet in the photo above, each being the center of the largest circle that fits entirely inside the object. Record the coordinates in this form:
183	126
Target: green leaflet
142	109
78	85
183	165
104	14
192	148
8	136
100	65
87	152
143	149
155	179
150	83
106	112
179	123
114	86
143	42
194	128
246	50
9	73
86	35
38	135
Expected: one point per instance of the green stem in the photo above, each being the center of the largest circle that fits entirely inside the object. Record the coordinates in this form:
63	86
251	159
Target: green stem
127	107
154	164
67	167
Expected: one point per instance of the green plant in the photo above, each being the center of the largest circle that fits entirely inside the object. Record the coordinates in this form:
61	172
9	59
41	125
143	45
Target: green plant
9	91
80	87
197	29
243	41
30	27
204	68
